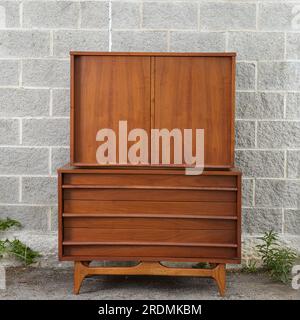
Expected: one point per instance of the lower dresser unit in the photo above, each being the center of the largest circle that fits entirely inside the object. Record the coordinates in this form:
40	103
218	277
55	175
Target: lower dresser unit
149	216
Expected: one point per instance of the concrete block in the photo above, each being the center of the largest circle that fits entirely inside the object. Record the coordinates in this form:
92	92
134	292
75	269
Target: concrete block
279	75
293	45
46	132
277	193
10	13
293	106
39	190
139	41
245	76
9	70
170	15
9	132
260	163
24	160
293	164
60	102
247	192
292	222
126	15
261	105
31	217
24	102
227	16
244	134
278	134
46	73
94	14
197	41
277	16
258	221
51	14
9	190
24	44
66	41
60	157
257	45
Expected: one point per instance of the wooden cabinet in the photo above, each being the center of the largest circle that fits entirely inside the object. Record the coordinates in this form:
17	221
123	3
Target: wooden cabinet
153	90
151	213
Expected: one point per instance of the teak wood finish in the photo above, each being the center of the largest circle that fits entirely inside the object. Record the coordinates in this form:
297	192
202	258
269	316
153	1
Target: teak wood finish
149	215
153	90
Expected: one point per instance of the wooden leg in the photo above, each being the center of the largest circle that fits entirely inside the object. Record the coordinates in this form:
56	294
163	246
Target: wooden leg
79	274
219	274
82	270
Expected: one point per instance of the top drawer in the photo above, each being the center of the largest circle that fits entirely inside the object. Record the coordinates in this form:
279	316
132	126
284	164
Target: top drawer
152	180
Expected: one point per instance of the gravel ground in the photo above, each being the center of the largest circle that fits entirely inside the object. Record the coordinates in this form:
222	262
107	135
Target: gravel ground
42	283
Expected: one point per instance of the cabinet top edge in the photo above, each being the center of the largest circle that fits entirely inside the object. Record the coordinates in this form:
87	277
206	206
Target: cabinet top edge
68	168
158	54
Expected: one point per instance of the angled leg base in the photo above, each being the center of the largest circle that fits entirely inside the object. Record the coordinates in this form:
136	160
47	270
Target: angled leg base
82	270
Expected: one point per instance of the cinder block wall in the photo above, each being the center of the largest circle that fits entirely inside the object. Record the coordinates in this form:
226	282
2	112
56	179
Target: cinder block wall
35	40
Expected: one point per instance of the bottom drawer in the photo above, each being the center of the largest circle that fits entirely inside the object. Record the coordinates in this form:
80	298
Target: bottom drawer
143	252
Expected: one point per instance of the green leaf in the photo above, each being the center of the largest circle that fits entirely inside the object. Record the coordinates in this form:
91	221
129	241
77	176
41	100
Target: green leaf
8	223
19	250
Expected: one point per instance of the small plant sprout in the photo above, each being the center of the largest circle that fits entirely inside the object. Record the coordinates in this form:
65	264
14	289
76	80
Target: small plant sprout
15	247
250	267
277	260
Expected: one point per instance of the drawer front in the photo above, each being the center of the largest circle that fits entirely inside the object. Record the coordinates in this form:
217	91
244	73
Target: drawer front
113	222
154	180
149	195
143	252
139	236
150	207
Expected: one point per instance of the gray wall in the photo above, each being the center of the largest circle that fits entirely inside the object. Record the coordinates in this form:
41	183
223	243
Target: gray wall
35	39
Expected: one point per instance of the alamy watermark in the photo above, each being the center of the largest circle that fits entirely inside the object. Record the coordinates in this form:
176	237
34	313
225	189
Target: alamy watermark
160	145
296	277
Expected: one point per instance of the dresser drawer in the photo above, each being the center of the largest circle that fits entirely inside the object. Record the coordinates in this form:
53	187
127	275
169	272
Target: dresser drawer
152	223
150	252
149	194
147	235
150	207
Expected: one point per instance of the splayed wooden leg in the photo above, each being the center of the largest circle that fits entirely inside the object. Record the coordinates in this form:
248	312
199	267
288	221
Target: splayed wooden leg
219	274
80	273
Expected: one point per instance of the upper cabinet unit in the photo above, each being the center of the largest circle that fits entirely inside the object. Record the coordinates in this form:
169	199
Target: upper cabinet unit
153	91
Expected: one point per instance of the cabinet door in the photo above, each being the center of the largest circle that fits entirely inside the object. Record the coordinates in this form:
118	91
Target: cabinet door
197	93
105	90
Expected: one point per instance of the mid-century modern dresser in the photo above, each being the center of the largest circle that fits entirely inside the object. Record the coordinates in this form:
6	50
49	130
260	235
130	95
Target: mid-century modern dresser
143	212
